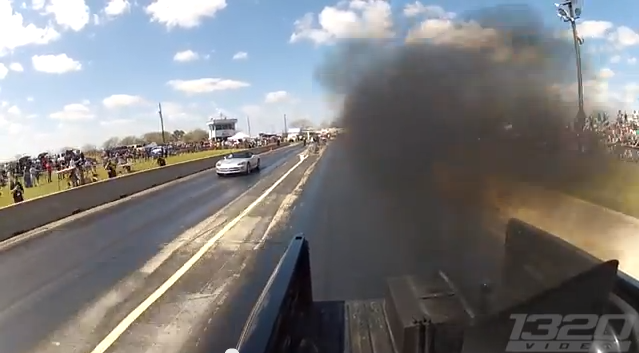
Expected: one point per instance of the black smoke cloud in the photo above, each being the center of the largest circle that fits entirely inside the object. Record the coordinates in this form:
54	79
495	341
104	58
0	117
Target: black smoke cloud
481	107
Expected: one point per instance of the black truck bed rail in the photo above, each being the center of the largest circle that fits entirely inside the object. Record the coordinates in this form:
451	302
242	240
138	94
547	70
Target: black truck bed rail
426	314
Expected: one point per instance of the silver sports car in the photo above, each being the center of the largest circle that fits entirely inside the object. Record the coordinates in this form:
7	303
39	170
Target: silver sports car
239	162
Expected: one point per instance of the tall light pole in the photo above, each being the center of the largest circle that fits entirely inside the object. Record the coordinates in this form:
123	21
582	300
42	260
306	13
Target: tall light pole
248	122
285	125
161	123
569	11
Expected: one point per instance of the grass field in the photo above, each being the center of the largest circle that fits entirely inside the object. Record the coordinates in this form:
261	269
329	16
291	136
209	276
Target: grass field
49	188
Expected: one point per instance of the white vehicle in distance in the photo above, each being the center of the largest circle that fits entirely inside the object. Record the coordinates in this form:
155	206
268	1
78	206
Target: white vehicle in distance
243	162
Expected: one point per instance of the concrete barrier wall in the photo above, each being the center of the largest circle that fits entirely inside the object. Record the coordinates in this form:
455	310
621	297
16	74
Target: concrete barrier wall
600	231
34	213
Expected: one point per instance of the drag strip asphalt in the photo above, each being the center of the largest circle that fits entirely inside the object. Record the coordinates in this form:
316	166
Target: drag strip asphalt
49	279
95	289
355	246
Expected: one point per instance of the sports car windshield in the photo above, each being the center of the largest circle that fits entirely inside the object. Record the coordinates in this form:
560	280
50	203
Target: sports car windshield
238	155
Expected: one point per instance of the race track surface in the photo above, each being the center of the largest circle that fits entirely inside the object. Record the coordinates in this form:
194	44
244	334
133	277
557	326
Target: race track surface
99	284
355	246
84	287
65	288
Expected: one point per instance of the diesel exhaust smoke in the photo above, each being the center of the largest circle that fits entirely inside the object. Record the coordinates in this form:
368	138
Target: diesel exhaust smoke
477	99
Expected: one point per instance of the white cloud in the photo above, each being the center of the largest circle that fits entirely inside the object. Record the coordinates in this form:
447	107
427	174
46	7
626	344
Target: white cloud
16	67
592	29
117	7
15	33
29	99
471	35
615	59
205	85
447	32
632	61
187	55
3	71
183	13
14	110
121	100
240	55
69	14
354	19
37	4
432	11
73	112
276	97
55	64
606	73
624	37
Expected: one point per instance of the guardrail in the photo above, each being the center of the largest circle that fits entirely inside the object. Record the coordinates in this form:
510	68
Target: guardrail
285	301
30	214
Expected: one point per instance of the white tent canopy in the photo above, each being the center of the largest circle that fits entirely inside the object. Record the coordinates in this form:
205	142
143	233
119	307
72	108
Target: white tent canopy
239	136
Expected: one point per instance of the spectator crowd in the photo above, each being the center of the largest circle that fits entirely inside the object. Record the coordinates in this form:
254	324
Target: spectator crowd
73	167
621	133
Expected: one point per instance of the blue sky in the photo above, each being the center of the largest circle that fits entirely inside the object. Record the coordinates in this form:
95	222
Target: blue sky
77	72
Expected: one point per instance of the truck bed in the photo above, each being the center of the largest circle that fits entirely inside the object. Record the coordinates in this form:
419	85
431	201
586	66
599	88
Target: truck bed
357	326
287	319
426	312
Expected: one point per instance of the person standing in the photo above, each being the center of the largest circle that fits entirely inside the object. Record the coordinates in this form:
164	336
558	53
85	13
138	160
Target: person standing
17	190
33	175
49	168
111	168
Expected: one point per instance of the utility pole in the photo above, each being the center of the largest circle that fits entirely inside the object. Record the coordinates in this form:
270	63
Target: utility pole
285	125
248	122
161	123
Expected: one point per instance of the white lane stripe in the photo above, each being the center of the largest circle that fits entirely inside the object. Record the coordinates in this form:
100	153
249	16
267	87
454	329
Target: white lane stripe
121	327
286	205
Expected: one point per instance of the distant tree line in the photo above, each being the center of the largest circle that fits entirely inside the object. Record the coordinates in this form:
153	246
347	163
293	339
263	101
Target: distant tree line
150	137
178	136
